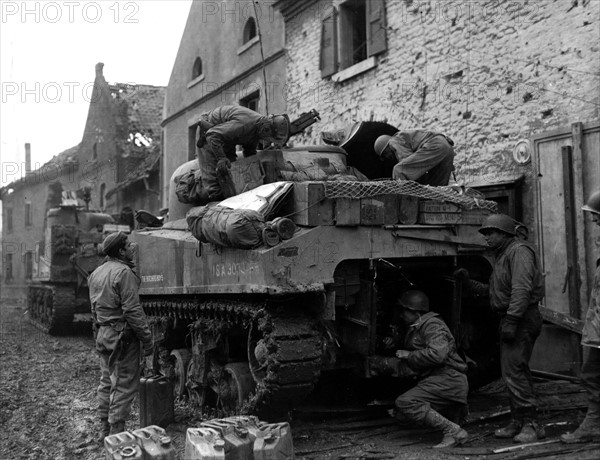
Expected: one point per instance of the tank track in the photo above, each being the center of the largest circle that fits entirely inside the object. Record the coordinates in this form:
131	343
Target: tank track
293	342
51	308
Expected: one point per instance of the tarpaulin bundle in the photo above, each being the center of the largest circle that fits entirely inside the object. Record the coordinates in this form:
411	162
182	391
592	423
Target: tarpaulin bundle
236	228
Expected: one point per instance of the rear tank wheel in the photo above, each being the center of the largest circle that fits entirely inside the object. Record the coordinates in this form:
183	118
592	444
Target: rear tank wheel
234	387
181	358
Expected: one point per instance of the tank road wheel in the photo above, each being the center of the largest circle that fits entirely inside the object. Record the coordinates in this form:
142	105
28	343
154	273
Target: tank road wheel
235	385
51	308
284	355
181	360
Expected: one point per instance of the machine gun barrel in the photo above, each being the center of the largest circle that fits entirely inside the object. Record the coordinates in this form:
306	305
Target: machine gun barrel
305	120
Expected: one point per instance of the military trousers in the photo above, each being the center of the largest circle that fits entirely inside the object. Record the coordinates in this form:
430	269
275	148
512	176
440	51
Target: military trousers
514	363
442	389
590	374
119	382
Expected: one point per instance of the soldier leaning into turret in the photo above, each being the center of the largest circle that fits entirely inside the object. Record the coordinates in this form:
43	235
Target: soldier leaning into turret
122	325
589	429
515	289
429	351
422	156
221	129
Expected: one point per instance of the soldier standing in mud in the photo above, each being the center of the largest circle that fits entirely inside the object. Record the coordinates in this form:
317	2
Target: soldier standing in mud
589	429
515	289
122	325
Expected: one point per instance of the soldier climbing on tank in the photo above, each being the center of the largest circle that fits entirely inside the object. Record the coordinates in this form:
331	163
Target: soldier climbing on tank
221	129
515	289
589	429
122	325
422	156
429	350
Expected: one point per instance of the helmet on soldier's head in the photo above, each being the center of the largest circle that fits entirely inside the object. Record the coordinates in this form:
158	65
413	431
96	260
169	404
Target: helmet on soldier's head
414	300
593	203
381	143
280	128
500	222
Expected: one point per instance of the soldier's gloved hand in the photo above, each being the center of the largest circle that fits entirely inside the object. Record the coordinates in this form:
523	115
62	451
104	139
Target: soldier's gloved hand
462	274
508	328
223	166
148	349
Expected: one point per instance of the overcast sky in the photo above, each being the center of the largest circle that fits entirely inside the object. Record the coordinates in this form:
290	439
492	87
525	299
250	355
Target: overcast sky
48	53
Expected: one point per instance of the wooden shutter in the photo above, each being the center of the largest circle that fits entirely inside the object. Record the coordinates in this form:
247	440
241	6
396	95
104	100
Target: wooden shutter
376	32
328	63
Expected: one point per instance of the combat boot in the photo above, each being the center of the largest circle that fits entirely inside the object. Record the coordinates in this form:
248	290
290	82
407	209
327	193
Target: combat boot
453	434
589	430
103	429
510	430
117	427
531	431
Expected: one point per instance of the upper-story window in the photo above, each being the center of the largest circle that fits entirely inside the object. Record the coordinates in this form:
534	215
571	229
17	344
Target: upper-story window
251	101
102	193
249	30
95	151
351	34
197	68
28	214
9	219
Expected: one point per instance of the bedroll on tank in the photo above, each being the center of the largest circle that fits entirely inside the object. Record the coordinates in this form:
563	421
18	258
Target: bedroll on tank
204	444
155	443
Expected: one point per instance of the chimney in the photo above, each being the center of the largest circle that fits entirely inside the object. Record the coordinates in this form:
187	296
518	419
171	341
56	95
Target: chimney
27	158
99	68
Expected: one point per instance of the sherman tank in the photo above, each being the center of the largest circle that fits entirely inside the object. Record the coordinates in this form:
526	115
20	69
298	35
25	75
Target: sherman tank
58	294
254	330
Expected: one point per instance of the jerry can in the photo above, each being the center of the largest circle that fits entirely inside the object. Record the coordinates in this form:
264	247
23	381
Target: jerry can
250	422
155	443
204	444
157	403
238	445
274	442
122	446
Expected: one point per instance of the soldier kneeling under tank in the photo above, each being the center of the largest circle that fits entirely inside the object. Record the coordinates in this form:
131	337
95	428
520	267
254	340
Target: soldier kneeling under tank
429	351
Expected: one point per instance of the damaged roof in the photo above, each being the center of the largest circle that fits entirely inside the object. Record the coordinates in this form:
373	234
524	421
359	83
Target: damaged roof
52	169
139	116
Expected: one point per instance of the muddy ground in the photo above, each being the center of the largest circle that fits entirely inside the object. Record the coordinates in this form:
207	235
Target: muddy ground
47	412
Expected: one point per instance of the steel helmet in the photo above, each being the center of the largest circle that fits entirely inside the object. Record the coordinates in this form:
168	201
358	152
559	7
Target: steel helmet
593	203
280	128
500	222
381	143
414	300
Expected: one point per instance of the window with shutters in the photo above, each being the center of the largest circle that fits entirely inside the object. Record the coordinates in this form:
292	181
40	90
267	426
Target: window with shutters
8	274
351	35
9	220
28	265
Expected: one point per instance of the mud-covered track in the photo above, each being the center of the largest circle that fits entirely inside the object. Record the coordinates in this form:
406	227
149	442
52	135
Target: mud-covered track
51	308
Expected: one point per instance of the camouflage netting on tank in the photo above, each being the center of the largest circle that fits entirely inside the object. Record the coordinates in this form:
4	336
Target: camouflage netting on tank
465	197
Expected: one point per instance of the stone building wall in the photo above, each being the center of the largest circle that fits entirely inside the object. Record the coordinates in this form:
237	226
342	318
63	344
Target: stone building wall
487	73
